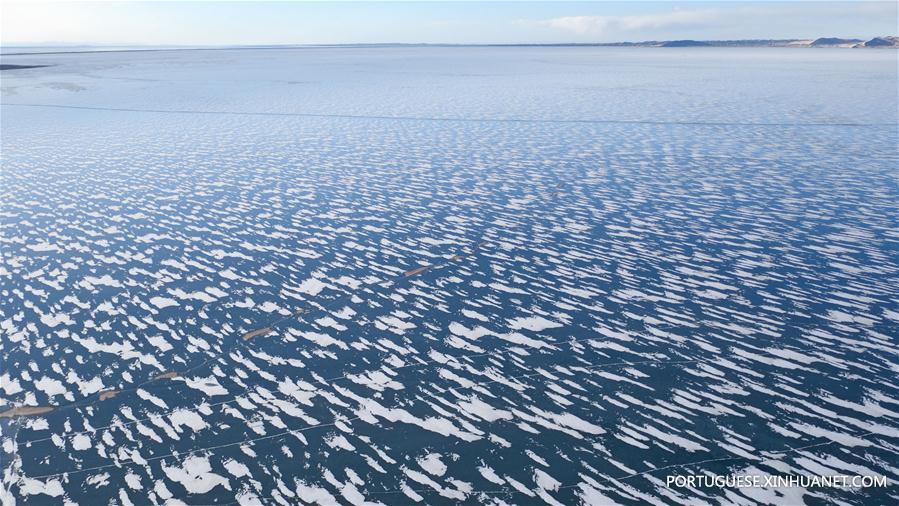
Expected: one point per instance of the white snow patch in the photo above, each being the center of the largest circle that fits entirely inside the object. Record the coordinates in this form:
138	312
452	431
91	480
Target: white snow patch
196	475
163	302
535	323
432	464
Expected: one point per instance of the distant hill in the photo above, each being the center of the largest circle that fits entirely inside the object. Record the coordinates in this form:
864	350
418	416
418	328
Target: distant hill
835	42
684	43
825	42
883	42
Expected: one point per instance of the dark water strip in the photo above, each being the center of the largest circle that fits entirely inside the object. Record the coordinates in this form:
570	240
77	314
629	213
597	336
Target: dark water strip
463	120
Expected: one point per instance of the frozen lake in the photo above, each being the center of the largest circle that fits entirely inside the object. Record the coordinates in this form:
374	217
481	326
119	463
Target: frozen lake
517	275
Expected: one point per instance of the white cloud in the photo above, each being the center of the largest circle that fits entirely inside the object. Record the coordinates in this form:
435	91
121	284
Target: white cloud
796	19
605	25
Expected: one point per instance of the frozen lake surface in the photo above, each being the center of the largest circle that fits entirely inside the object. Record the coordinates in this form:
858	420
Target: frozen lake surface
514	275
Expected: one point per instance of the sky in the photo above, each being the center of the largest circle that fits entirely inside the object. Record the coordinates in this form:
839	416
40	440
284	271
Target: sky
211	23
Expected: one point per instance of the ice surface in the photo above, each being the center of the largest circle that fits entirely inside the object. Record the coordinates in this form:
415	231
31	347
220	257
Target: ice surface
492	275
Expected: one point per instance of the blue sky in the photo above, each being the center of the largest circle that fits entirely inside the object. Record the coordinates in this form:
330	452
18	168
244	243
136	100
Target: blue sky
229	23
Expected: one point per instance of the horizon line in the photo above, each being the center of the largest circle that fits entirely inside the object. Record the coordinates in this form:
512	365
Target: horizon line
106	48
